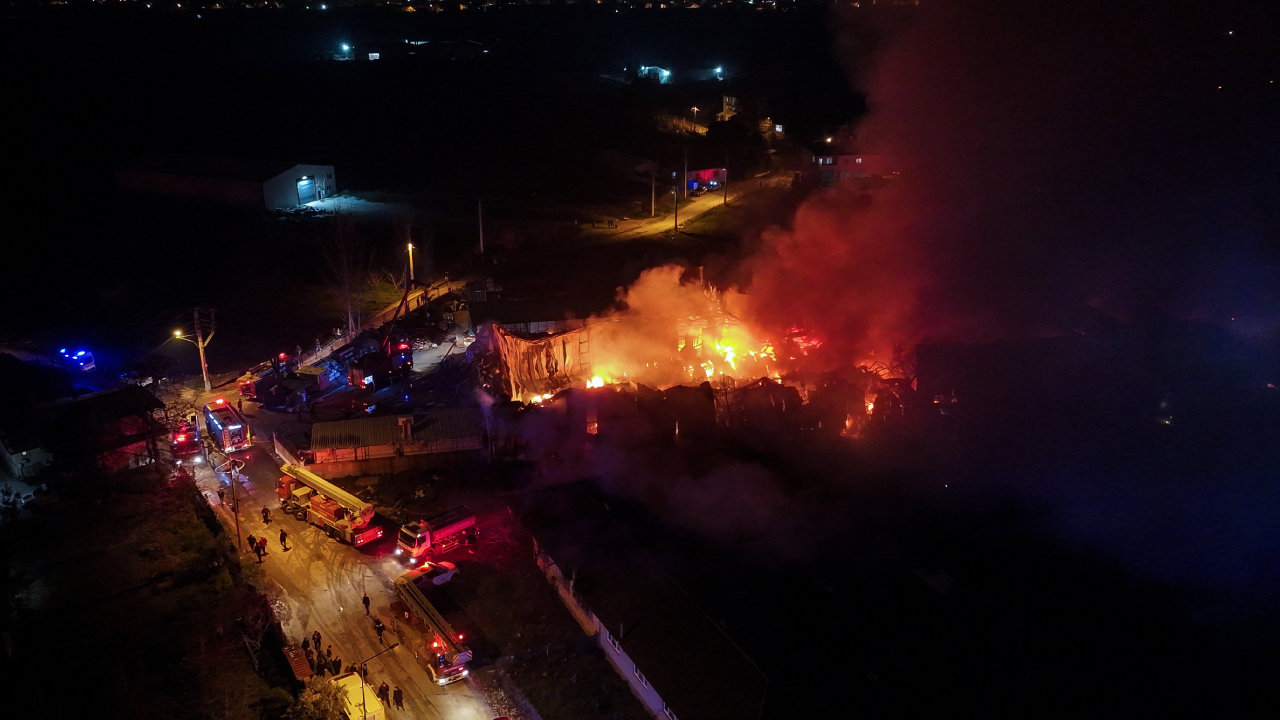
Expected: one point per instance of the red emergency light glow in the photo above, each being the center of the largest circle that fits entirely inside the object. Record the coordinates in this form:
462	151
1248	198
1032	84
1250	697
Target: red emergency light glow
404	346
459	636
435	644
283	356
220	401
180	438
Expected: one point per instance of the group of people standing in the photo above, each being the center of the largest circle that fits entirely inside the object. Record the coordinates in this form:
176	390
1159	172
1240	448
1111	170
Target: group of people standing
258	545
325	662
322	662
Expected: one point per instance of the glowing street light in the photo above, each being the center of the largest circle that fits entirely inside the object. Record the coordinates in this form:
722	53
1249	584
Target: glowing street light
201	342
695	114
410	262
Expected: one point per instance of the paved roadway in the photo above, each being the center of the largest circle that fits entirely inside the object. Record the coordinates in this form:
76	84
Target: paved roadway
645	226
323	581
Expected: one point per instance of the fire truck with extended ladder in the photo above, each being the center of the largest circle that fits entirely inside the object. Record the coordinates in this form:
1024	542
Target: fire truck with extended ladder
437	646
313	499
437	535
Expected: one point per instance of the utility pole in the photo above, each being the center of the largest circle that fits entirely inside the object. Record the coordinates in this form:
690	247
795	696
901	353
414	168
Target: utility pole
201	341
480	212
653	192
675	200
726	179
235	505
686	171
360	672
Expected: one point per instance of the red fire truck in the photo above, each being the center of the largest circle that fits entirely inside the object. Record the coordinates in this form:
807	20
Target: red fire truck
186	439
226	428
437	535
438	646
313	499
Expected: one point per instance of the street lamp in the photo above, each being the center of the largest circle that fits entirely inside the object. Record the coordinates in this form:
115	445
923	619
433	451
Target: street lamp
201	342
410	262
365	708
695	114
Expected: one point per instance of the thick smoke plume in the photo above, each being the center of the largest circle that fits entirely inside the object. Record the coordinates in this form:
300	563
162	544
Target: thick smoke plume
1059	163
1055	160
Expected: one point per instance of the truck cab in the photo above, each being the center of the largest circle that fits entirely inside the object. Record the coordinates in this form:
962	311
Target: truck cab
424	539
186	440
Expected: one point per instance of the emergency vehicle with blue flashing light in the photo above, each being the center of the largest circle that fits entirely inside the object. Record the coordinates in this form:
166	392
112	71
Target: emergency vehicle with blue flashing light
227	430
78	360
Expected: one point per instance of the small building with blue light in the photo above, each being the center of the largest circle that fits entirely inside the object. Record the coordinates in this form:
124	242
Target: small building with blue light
260	184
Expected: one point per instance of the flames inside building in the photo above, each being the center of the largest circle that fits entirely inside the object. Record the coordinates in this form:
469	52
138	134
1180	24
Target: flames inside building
698	359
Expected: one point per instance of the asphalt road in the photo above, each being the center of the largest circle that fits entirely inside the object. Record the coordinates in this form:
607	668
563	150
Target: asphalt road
646	226
322	582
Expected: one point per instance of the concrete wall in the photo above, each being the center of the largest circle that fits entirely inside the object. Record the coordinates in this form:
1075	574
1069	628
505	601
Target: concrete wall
281	191
613	652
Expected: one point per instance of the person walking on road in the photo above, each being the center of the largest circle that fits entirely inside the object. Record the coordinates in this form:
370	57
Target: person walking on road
253	544
262	544
284	539
315	640
378	627
366	604
266	515
240	406
384	694
257	550
337	666
398	696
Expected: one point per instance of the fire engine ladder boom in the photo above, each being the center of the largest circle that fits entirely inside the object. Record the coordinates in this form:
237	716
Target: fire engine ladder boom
420	606
353	504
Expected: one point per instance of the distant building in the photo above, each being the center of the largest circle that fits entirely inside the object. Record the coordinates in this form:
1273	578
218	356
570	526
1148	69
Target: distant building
233	181
655	73
709	178
832	166
730	108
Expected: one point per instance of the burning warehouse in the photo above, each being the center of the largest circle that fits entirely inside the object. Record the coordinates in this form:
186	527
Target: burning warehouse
685	362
